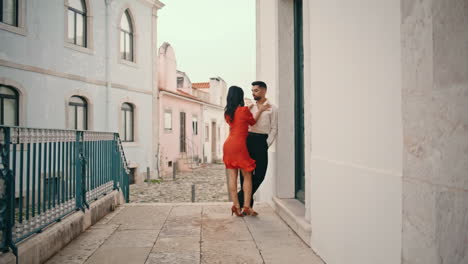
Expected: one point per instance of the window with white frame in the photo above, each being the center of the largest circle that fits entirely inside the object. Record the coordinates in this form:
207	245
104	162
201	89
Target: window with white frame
77	22
126	37
168	120
9	12
127	123
9	106
77	113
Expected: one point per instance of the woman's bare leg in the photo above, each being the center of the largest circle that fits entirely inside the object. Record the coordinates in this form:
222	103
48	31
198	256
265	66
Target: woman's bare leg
247	187
233	186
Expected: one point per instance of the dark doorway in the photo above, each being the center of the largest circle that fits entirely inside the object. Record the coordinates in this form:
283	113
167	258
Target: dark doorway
299	100
182	133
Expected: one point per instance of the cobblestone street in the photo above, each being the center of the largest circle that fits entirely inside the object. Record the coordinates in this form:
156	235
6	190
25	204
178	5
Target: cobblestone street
209	181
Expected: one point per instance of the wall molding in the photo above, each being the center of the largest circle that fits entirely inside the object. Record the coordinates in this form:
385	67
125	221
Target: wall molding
69	76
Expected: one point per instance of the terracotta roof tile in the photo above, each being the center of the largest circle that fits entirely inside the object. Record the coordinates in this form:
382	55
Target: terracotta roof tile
202	85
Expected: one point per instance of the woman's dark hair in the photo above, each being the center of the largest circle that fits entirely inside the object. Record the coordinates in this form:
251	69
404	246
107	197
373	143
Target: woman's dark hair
235	98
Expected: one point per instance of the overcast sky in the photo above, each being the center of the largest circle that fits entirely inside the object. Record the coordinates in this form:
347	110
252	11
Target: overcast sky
211	38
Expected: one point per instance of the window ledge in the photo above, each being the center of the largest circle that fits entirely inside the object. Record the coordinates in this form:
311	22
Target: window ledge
168	131
128	63
79	48
17	30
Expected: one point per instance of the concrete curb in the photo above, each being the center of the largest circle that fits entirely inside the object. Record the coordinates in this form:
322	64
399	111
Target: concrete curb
40	247
294	218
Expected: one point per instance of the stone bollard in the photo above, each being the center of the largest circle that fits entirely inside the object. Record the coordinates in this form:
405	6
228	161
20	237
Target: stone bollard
193	193
148	175
174	170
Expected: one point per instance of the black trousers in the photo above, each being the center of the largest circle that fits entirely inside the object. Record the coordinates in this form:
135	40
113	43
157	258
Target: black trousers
258	150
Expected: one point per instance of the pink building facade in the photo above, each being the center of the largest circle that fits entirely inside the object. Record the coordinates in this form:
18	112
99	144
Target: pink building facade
191	127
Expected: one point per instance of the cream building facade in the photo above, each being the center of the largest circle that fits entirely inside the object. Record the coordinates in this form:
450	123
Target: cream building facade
85	65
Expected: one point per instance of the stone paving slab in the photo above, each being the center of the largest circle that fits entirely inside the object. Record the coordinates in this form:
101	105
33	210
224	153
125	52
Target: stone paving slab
177	244
174	257
131	238
187	233
228	252
141	217
225	229
130	255
83	246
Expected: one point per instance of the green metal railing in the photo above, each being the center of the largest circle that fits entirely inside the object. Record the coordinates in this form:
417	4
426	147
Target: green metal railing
46	174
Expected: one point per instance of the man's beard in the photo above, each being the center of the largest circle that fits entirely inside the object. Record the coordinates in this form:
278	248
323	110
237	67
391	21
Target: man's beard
256	98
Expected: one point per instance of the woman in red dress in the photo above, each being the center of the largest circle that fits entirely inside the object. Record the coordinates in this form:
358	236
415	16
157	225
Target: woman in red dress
236	156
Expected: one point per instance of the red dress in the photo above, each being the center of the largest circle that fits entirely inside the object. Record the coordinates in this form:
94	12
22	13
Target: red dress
236	155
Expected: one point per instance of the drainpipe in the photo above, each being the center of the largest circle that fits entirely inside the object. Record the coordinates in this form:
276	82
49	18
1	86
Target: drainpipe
156	105
108	62
202	134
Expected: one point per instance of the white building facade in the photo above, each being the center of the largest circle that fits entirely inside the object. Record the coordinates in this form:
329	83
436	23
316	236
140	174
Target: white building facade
90	65
215	130
373	117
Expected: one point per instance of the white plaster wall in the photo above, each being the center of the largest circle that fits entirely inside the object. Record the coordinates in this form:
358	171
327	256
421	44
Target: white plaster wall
44	99
356	130
267	71
353	123
161	69
140	152
139	74
168	73
44	44
218	91
211	114
46	107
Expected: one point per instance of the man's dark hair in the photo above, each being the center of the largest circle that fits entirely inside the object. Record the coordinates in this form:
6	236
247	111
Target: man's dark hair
260	84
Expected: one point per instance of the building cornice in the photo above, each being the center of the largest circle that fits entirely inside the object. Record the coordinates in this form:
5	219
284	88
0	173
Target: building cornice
159	4
153	3
180	96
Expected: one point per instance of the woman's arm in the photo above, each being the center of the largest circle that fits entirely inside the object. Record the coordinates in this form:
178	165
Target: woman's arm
261	109
257	115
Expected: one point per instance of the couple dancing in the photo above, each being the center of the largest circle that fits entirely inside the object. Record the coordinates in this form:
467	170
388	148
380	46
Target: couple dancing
253	129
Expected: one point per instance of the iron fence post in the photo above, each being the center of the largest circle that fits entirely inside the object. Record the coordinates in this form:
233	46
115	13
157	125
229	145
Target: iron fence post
7	199
78	170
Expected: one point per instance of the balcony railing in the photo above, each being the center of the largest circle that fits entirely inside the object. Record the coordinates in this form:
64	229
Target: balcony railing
46	174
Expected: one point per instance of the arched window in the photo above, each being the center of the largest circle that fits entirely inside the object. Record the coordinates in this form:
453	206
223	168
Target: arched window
9	12
127	125
78	113
180	82
126	37
77	22
9	106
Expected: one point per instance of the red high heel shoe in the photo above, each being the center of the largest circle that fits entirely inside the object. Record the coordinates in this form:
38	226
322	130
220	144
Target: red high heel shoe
235	210
249	211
